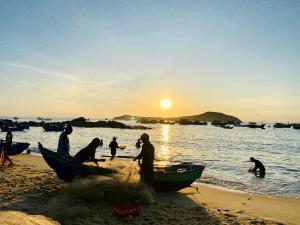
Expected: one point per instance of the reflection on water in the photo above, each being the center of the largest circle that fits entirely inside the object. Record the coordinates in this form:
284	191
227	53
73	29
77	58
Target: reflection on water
225	152
164	154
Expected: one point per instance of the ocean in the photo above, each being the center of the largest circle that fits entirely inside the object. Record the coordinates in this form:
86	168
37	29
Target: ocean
225	152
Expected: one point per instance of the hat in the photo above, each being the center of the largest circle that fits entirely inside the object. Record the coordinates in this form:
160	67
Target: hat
145	136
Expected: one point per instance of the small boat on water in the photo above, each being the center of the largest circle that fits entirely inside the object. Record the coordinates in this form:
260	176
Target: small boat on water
67	169
52	128
176	177
13	129
254	125
282	125
296	126
17	147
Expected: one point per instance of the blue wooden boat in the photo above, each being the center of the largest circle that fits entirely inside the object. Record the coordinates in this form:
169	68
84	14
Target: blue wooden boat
50	128
67	168
17	147
13	129
176	177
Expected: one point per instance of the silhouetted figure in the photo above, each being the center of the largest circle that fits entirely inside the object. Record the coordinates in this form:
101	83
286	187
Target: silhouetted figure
258	165
63	147
147	157
88	153
113	145
138	143
8	145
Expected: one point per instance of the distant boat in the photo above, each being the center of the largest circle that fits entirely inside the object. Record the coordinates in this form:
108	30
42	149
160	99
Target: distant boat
296	126
17	147
13	129
254	125
15	118
226	127
67	169
190	122
282	125
176	177
53	128
43	119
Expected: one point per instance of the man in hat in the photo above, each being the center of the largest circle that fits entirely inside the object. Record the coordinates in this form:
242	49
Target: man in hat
147	157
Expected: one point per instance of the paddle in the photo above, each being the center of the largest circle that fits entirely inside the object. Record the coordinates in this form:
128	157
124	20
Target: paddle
119	156
131	157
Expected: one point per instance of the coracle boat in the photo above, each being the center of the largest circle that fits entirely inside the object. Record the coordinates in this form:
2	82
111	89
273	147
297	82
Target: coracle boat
67	168
176	177
17	147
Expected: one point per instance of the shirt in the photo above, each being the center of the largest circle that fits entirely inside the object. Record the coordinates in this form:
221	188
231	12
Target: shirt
63	147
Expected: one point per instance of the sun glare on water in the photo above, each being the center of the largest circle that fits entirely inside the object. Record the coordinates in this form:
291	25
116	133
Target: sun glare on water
166	104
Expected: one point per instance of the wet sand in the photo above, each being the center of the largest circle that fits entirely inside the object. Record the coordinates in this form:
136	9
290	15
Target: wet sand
30	193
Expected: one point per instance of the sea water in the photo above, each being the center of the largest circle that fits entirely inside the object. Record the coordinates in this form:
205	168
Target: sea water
225	152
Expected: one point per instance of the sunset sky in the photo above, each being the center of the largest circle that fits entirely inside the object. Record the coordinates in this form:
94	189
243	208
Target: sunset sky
108	58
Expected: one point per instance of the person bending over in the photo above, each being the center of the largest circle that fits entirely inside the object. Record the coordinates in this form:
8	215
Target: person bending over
88	153
258	165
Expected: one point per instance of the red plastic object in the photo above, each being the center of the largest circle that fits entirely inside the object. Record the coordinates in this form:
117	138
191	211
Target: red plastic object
127	210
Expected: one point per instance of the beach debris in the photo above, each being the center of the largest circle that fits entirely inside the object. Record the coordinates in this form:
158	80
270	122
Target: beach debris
127	210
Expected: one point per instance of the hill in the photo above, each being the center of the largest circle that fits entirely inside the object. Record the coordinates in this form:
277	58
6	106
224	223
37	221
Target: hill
205	117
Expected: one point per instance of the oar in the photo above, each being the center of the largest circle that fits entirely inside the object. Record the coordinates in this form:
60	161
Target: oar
119	156
131	157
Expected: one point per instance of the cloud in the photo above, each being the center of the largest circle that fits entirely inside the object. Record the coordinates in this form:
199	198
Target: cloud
42	71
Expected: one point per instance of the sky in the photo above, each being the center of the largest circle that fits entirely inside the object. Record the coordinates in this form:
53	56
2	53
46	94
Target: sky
101	59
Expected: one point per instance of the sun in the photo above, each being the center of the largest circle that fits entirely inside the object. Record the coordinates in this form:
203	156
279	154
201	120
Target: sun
165	103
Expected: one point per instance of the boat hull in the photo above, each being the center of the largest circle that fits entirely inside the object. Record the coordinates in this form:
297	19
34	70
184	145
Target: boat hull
176	177
53	129
17	147
67	169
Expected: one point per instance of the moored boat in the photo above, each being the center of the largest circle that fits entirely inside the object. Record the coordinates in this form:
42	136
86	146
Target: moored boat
13	129
176	177
50	128
67	168
17	147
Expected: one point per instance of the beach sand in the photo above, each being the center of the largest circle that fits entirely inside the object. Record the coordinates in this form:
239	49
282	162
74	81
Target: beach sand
30	193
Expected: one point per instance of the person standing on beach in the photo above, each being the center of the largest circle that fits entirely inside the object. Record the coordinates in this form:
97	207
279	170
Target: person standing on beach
8	145
113	145
63	147
147	156
258	165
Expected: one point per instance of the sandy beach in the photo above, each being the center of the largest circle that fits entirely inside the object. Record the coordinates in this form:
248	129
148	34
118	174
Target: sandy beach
30	193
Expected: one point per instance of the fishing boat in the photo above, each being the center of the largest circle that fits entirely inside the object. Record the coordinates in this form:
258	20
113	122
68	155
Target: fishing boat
52	128
254	125
176	177
67	168
17	147
13	129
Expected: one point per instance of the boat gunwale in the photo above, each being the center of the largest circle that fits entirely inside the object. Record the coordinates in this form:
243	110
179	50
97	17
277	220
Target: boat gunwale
199	167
